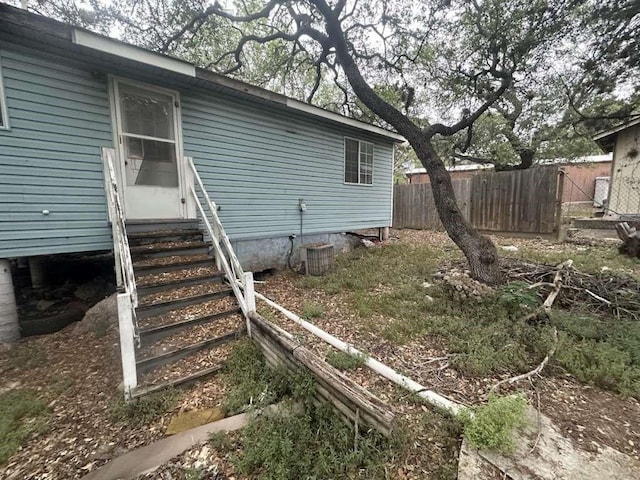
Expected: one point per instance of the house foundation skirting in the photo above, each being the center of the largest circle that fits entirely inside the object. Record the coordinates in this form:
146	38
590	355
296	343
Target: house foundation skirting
261	254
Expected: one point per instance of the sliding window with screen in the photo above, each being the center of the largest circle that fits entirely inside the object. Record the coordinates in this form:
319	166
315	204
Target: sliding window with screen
358	162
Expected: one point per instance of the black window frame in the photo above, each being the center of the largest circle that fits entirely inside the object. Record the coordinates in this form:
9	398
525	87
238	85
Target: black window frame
364	171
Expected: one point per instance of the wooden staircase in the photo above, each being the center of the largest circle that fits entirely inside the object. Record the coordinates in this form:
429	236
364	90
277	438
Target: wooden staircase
187	313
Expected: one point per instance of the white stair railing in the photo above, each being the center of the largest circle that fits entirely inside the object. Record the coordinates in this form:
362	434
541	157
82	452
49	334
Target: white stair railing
127	293
225	256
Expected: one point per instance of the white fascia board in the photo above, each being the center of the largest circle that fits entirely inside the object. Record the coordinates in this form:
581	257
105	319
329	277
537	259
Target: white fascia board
131	52
137	54
319	112
614	130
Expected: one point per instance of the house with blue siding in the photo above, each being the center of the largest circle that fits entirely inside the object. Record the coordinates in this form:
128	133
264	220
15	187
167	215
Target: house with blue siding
67	94
94	131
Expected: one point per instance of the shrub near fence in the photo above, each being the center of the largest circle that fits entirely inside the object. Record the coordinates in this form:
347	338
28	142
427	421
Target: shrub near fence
520	201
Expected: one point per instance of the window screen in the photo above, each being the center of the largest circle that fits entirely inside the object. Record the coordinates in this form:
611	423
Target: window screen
358	161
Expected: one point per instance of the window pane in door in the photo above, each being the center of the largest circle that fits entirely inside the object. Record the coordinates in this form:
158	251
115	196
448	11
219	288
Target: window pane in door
150	162
146	113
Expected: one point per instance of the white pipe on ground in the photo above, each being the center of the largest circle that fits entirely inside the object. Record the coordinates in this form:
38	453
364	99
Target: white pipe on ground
430	396
9	327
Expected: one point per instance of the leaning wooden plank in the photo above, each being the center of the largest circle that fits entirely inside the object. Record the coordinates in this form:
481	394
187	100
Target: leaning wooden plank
349	398
343	385
325	372
430	396
324	392
622	229
147	459
277	358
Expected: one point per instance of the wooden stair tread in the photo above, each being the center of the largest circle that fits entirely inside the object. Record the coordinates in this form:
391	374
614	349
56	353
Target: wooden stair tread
151	288
178	382
194	333
167	247
147	335
181	293
189	271
151	266
148	310
166	233
191	311
151	363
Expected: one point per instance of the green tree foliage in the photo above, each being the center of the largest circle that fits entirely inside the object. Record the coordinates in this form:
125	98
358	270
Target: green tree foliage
438	71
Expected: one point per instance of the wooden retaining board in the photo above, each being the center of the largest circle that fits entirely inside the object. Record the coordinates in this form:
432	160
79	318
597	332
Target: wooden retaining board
353	403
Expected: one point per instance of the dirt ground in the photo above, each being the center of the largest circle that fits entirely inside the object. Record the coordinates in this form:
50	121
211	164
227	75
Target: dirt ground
78	375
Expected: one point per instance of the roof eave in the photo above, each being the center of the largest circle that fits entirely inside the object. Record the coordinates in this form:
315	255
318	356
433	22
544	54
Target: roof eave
101	43
606	139
42	29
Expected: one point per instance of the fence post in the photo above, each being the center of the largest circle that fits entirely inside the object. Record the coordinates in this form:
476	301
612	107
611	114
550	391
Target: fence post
249	298
559	196
127	344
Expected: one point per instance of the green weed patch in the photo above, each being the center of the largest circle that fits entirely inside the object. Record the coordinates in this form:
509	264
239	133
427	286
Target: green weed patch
492	426
144	410
22	415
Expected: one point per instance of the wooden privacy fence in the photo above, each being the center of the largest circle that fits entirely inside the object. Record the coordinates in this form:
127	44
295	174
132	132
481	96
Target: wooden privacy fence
520	201
413	205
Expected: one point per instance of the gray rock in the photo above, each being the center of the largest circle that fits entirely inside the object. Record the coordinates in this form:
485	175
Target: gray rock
101	317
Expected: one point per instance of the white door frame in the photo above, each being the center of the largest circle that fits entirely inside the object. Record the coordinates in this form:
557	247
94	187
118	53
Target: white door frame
116	126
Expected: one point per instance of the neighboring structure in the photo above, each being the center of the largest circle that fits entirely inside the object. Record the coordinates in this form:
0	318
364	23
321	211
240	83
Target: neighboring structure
583	173
275	166
624	189
583	176
457	172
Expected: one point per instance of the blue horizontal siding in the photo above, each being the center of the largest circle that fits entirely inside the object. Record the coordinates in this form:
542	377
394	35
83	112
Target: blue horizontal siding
256	163
51	159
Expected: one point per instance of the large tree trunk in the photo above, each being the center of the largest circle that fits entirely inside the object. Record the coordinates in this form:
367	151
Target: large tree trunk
481	253
526	161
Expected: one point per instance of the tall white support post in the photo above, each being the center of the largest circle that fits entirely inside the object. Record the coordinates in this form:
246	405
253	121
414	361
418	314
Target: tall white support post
9	327
249	297
127	344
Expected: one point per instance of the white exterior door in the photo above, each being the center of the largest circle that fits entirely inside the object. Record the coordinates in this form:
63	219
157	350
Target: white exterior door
151	163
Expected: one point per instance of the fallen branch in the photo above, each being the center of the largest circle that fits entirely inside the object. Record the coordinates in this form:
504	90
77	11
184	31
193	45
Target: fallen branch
539	416
545	308
607	293
535	371
597	297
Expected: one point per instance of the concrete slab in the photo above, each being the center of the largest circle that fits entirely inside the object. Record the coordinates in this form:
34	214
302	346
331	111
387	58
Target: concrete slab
147	459
554	458
604	223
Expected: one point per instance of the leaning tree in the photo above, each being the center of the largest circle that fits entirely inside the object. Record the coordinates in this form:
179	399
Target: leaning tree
437	52
430	69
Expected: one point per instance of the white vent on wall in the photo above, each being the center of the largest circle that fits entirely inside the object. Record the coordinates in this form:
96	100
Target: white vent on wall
601	192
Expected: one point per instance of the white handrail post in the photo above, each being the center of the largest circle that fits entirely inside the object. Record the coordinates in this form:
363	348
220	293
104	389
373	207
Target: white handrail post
127	345
249	297
113	216
127	301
